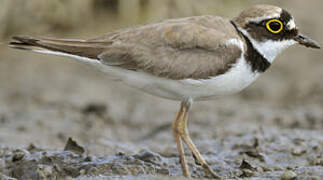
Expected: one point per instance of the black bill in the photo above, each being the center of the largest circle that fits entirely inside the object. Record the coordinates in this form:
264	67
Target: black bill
306	41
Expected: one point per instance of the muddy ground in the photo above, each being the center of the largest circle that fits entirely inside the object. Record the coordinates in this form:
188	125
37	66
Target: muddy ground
272	130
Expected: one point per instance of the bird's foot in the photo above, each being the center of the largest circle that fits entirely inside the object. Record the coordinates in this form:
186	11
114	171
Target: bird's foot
209	170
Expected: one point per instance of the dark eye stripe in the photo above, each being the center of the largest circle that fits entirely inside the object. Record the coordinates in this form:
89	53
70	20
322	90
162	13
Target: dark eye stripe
260	32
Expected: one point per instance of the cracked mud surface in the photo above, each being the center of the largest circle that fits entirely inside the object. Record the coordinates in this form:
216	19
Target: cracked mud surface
254	141
267	155
272	130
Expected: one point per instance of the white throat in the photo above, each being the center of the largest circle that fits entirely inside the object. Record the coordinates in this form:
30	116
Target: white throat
269	48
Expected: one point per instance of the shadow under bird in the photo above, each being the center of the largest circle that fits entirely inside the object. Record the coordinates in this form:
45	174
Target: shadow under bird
187	59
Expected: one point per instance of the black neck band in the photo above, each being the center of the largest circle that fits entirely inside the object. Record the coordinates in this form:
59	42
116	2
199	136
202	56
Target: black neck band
256	60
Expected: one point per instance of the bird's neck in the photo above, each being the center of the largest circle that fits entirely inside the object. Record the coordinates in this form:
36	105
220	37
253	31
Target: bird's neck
269	49
256	58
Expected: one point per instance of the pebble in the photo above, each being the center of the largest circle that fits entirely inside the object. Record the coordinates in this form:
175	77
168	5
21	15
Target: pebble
288	175
19	154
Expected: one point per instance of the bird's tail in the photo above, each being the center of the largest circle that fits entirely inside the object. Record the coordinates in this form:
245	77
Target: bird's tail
64	47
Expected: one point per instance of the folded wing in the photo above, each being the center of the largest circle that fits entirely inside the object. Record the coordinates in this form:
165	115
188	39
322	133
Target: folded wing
177	49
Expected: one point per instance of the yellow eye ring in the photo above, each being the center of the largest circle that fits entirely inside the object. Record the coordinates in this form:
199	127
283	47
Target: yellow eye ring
268	26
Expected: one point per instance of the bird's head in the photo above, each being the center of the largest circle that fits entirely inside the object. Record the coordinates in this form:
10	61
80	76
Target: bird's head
270	29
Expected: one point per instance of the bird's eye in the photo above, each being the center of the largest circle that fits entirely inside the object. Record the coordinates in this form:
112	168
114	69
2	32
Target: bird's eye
274	26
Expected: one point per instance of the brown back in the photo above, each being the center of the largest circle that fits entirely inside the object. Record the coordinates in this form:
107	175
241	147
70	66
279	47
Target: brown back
194	47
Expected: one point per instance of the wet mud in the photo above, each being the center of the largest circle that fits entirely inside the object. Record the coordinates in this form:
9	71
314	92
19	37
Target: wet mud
243	160
266	153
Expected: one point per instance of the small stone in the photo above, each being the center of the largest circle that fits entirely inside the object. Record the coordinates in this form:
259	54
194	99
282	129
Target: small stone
57	168
19	154
255	154
162	171
82	172
266	168
89	158
298	151
247	173
149	156
97	109
92	171
72	145
33	148
44	171
246	165
120	154
136	170
259	169
238	173
288	175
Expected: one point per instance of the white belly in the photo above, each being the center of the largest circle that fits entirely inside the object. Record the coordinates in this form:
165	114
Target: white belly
236	79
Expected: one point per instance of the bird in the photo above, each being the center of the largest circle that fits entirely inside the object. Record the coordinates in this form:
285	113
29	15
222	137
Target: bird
186	59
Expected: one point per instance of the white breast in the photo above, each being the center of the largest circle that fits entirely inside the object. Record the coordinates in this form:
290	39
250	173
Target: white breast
236	79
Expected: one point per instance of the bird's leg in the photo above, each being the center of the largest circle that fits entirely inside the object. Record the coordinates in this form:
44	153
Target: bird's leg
183	131
179	143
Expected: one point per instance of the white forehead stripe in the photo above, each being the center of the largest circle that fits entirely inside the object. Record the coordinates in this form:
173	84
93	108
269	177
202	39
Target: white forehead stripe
291	24
259	19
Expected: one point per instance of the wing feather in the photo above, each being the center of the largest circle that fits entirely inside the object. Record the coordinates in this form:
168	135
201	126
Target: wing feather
194	47
175	50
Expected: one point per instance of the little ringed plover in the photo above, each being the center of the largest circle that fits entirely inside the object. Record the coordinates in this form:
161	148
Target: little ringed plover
187	59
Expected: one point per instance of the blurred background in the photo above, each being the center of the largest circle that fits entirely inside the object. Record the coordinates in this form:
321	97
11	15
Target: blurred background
46	99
